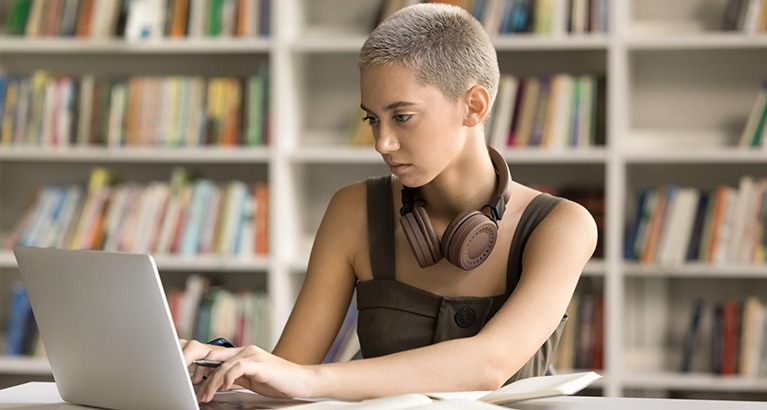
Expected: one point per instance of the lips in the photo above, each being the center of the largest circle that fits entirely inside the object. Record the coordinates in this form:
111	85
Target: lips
397	168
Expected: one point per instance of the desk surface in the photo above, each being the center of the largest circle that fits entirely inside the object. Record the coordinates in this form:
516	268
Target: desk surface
43	395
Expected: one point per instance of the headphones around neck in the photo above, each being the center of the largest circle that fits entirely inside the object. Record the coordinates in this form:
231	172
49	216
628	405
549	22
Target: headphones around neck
469	238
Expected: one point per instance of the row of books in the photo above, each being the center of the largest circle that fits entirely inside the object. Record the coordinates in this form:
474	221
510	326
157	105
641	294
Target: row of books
581	345
203	311
726	337
726	225
43	109
185	216
541	17
755	132
556	111
749	16
138	19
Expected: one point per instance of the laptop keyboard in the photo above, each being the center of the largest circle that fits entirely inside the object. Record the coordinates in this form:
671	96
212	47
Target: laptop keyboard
224	405
244	401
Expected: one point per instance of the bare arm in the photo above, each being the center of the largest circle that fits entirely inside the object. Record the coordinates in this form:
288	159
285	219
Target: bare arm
322	303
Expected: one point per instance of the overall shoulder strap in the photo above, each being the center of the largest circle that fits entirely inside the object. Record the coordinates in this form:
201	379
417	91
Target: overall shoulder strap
380	227
538	208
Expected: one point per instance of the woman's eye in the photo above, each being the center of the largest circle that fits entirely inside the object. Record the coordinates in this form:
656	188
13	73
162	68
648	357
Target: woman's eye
370	120
403	117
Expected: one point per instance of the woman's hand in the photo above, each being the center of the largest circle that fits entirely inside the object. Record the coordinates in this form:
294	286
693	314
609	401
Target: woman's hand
194	350
250	367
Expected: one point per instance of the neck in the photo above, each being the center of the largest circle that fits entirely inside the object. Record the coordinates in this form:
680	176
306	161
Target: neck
468	183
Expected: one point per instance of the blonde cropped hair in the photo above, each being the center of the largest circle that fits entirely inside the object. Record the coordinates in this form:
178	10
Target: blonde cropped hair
444	45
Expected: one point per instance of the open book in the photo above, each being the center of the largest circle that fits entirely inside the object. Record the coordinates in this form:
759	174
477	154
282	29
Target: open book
525	389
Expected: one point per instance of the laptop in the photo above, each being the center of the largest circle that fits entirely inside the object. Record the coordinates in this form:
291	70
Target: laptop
108	333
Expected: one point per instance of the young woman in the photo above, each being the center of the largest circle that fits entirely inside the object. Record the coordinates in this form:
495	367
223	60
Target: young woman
462	275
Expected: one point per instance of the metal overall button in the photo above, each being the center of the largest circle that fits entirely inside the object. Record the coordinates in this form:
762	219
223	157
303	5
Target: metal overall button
465	317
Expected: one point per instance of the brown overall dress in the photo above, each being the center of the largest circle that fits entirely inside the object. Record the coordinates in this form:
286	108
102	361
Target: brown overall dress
394	317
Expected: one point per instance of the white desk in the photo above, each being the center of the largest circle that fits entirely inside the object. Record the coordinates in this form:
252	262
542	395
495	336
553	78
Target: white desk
43	395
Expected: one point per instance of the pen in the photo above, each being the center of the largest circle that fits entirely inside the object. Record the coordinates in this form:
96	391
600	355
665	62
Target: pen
207	363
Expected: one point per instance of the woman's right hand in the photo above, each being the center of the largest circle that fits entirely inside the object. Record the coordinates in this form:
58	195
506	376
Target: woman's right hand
195	350
247	367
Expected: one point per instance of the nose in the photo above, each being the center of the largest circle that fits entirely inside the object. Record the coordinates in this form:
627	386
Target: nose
385	141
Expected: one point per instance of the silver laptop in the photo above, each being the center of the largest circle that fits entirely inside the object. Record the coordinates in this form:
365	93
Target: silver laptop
108	332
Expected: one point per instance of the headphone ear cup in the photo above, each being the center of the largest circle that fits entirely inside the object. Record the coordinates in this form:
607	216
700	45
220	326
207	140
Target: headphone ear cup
419	239
432	241
469	239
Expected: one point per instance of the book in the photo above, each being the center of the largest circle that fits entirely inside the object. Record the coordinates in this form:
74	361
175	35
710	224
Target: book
732	13
564	356
18	321
756	216
759	115
751	16
540	111
17	17
503	111
723	232
532	90
520	390
743	202
752	336
35	19
730	337
559	112
654	228
84	18
193	222
692	337
639	218
261	214
697	228
674	239
255	108
585	332
68	23
541	386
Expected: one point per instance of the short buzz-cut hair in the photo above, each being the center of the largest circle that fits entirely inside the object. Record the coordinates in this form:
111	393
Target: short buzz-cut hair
444	45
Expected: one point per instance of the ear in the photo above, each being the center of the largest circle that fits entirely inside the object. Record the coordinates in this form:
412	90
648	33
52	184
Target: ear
477	105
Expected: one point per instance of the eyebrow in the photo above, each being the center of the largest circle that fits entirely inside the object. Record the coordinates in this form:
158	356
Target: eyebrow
392	106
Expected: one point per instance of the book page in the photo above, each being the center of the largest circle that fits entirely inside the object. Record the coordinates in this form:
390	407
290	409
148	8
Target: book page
458	404
542	386
400	401
459	395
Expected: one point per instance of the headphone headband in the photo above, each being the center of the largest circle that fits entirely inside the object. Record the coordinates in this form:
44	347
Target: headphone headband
503	190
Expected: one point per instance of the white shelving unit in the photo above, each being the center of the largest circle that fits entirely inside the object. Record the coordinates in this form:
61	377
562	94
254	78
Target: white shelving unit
682	90
678	94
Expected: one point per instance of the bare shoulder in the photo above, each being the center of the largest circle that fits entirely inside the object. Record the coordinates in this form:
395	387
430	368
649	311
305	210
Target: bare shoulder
570	215
343	231
349	201
569	229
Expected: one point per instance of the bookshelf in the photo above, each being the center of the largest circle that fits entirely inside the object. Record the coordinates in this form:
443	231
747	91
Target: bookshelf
679	91
682	97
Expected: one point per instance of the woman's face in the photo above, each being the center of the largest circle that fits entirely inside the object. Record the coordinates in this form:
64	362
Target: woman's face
417	129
